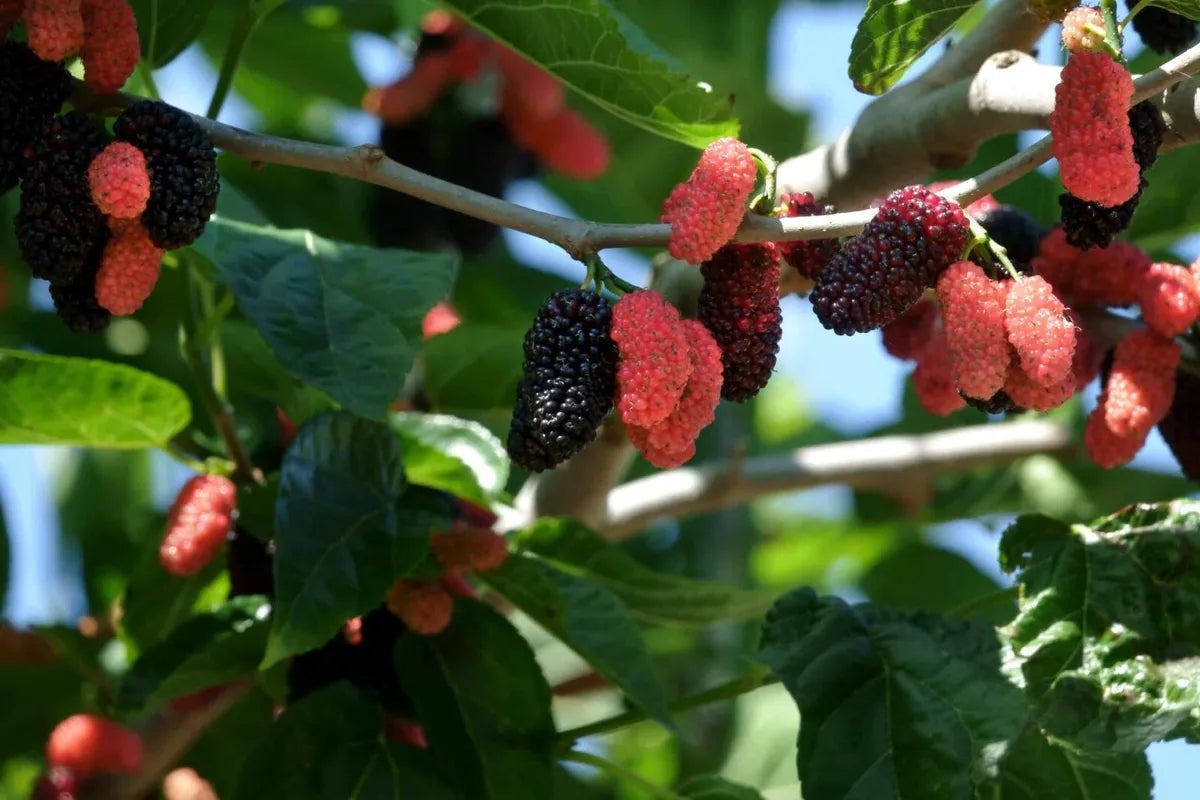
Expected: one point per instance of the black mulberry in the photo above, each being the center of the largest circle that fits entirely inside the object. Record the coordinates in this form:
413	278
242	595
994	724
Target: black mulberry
75	300
1016	231
569	380
999	403
1181	427
879	274
183	171
31	91
807	257
1163	31
739	305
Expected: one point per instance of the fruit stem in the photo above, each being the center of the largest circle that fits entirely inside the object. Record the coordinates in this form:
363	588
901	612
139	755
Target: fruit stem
605	277
768	167
980	236
1112	31
621	773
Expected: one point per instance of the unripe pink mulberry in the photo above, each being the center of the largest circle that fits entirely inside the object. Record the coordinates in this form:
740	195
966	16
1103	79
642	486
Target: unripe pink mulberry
1090	125
1111	276
468	548
672	442
1083	29
1089	356
653	363
111	49
973	314
53	28
89	745
184	783
197	524
705	212
1034	396
1142	383
129	268
1104	447
907	335
424	606
119	182
1170	298
933	380
1039	330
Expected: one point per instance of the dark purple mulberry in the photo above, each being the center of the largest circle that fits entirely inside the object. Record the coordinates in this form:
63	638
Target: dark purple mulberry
739	305
879	274
1016	231
58	225
569	380
1181	427
1091	225
999	403
806	257
183	171
75	300
31	91
1163	31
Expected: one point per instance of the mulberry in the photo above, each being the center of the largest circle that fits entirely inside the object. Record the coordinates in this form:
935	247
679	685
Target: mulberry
1016	231
31	91
128	270
10	12
806	257
458	586
1104	447
1089	123
1029	394
1083	29
705	212
119	182
184	783
569	380
404	731
973	318
1112	276
999	403
565	142
197	524
75	301
1091	225
89	744
183	171
53	28
424	606
1039	330
468	549
1141	385
1164	31
672	442
1170	298
879	274
58	225
1181	426
111	49
907	336
56	783
739	305
653	363
933	380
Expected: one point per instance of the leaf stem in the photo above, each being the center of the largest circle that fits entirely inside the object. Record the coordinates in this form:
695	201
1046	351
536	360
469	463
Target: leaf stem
1133	12
603	276
185	459
621	773
983	602
247	22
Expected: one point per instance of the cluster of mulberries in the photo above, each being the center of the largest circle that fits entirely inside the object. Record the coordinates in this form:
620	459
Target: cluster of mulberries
198	523
102	32
1090	125
1090	225
806	257
1163	31
705	211
568	382
879	274
1083	29
31	92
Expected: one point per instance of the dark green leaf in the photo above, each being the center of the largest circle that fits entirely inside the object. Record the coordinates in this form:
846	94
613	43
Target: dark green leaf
589	619
61	400
207	650
457	455
487	719
345	318
167	27
919	576
649	595
891	36
1108	631
592	48
331	744
1036	769
220	753
473	366
1188	8
255	370
714	787
893	705
256	507
347	525
155	601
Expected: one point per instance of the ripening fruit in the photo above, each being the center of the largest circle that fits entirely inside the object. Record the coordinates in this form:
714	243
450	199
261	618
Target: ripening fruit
197	524
119	182
111	49
424	606
53	28
1040	330
705	211
1083	29
1141	385
973	315
129	268
467	548
652	357
806	257
906	336
1170	298
933	379
89	744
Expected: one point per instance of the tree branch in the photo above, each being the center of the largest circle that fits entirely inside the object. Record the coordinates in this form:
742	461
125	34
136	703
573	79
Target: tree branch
883	463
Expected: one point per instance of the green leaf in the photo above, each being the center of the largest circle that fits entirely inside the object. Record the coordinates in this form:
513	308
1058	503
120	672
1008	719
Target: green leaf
474	366
80	401
714	787
649	595
1188	8
155	602
893	705
331	744
167	27
487	719
891	36
589	619
593	49
457	455
347	525
345	318
1034	768
1108	631
207	650
919	576
253	368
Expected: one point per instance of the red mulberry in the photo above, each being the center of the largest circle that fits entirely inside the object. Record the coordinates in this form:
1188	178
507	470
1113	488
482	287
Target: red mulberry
468	549
1089	123
1040	330
739	305
705	212
424	606
653	363
197	524
973	320
933	380
53	28
907	336
806	257
1104	447
879	274
1141	385
119	182
128	270
1034	396
89	745
1170	298
111	49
